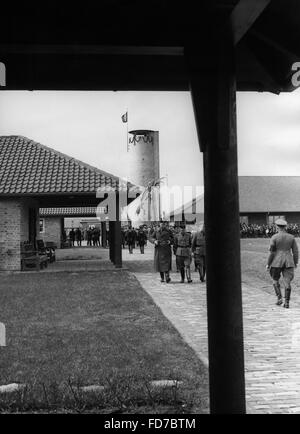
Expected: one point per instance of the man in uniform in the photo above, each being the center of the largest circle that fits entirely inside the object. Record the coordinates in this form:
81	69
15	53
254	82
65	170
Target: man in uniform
162	239
72	237
78	236
142	239
182	250
131	238
89	236
282	260
198	249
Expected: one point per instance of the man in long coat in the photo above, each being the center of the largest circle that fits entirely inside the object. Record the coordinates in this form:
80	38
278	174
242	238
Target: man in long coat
162	239
282	260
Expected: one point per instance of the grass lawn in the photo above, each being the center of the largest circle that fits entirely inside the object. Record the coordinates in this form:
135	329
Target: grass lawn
67	330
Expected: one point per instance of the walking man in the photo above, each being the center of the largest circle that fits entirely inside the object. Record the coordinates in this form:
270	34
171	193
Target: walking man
182	250
131	238
282	260
198	249
162	239
142	239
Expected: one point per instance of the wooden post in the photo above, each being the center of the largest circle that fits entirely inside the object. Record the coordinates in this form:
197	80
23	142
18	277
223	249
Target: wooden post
214	101
103	234
118	238
111	241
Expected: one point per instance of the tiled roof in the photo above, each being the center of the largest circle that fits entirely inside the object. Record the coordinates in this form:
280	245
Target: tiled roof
74	211
27	167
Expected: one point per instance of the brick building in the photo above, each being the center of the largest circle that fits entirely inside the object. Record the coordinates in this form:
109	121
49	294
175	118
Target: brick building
54	220
33	176
265	198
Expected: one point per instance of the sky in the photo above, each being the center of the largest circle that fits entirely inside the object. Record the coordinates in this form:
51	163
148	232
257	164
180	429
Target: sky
88	126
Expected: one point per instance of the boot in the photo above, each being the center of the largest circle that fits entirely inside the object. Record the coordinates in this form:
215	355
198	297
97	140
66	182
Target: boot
287	296
168	277
162	277
278	293
182	275
188	275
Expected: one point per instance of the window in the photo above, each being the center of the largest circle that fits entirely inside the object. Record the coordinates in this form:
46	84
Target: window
42	225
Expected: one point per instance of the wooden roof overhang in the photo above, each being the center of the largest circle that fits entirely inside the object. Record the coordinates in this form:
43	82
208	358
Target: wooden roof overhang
134	45
53	200
167	45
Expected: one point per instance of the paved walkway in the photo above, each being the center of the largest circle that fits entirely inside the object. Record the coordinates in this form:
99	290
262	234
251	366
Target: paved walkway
271	334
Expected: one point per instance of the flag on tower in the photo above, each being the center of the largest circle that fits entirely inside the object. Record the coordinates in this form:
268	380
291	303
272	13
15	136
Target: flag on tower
125	117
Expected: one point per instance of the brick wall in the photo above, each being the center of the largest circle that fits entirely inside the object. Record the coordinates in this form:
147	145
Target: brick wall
10	215
52	230
14	220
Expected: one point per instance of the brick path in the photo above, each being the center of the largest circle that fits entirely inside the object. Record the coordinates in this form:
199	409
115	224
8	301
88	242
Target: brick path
271	334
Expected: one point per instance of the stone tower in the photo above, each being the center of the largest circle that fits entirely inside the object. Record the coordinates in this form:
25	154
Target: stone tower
143	156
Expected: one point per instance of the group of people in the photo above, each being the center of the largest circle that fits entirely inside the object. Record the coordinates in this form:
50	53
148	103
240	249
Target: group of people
265	231
91	235
184	246
282	259
132	237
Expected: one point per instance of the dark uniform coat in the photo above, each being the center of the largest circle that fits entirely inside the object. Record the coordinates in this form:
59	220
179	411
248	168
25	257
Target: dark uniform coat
182	249
162	252
284	251
283	257
141	238
130	237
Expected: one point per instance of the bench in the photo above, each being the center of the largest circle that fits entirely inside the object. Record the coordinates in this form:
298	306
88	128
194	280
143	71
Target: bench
51	246
31	258
47	248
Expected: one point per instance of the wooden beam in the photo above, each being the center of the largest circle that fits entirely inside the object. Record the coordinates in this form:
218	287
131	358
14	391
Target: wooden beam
117	235
268	78
107	50
244	16
214	101
111	241
278	47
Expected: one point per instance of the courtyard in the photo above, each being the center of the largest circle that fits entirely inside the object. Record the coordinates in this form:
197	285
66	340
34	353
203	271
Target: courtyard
81	323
